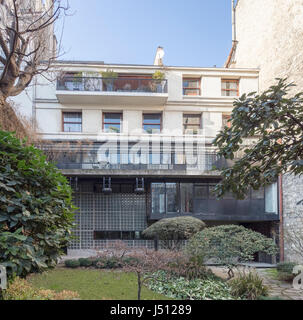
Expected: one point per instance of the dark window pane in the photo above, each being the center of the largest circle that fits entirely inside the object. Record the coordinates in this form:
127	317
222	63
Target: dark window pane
158	197
112	118
201	192
171	198
257	194
228	196
152	118
127	188
186	193
212	194
72	117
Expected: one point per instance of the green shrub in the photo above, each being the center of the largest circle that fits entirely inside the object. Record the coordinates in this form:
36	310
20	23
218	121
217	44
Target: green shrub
179	228
285	271
36	212
72	263
248	286
20	289
229	245
84	262
286	266
107	263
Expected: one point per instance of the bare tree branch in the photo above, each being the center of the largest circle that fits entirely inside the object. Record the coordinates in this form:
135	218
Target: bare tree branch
26	39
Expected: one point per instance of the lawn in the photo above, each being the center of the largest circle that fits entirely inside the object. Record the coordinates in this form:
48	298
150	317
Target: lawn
94	284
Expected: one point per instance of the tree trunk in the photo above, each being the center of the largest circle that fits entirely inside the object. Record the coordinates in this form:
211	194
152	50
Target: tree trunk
139	285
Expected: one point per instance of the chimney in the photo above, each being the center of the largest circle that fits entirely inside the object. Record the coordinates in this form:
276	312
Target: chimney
159	57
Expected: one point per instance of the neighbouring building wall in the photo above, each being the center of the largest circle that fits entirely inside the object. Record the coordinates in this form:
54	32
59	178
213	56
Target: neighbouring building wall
270	37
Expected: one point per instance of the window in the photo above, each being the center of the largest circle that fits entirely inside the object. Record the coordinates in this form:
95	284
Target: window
229	87
158	197
271	198
191	123
72	121
112	122
191	87
201	191
152	123
225	120
171	198
117	235
186	192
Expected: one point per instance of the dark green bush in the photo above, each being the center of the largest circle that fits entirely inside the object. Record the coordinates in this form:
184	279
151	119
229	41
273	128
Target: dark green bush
285	271
248	286
36	211
84	262
107	263
229	244
286	267
179	228
72	263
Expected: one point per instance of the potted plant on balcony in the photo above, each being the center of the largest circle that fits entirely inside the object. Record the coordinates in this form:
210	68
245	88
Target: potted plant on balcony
77	80
108	77
158	76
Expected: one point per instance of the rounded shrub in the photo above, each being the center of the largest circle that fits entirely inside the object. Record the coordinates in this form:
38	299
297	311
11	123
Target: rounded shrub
84	262
180	228
229	244
72	263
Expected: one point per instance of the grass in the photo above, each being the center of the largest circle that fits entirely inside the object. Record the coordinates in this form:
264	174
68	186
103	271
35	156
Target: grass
94	284
273	273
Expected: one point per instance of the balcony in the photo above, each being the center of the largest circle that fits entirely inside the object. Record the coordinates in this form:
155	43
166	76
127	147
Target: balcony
94	90
96	159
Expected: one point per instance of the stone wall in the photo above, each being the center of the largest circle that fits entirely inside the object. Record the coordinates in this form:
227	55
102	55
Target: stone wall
270	37
292	217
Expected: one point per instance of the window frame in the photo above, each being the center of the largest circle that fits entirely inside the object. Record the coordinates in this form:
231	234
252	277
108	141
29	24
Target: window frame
193	114
114	123
191	88
228	117
237	81
152	124
63	122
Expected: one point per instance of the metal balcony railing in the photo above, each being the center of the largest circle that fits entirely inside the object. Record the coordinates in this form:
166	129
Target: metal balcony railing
135	85
97	156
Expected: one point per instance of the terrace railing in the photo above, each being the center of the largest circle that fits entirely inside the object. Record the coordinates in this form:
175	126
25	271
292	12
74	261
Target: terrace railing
98	84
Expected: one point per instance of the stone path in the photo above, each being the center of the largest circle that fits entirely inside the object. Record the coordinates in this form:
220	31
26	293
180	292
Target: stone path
277	288
280	289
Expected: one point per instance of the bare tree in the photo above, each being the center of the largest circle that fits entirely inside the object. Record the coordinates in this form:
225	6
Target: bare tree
294	237
27	44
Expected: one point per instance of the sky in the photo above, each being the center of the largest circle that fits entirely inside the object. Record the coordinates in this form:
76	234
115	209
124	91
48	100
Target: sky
192	32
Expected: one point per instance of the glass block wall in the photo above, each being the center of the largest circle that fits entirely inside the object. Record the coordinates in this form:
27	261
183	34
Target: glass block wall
102	212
